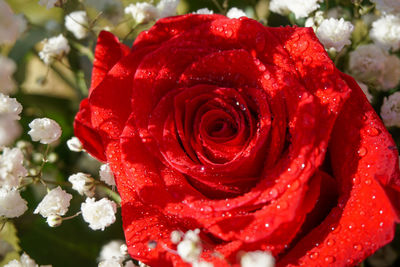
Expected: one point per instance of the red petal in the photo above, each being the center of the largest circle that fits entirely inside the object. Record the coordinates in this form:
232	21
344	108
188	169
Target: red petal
364	165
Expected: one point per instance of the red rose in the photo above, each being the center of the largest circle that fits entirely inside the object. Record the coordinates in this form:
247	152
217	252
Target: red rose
246	132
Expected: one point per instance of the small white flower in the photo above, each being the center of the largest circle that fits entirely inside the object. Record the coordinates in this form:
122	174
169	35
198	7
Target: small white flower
334	33
10	130
7	69
388	6
112	251
142	12
99	214
367	64
48	3
176	236
74	144
204	11
130	264
9	24
235	13
385	32
56	202
167	8
77	23
11	168
44	130
364	88
24	261
110	263
83	183
202	264
10	107
390	110
189	249
257	259
300	8
123	249
391	74
11	203
53	48
106	174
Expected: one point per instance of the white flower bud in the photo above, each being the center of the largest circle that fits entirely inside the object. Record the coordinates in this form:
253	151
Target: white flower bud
142	12
257	259
44	130
390	110
9	24
74	144
10	107
77	23
7	69
54	220
56	202
385	32
112	251
11	168
110	263
301	9
83	183
176	236
99	214
204	11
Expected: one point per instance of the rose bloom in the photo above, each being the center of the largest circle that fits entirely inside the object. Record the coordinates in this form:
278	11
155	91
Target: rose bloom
245	132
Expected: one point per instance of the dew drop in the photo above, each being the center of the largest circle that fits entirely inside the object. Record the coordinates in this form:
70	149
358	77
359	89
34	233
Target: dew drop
373	131
202	168
357	247
330	259
228	33
313	255
356	180
362	151
262	68
273	193
267	225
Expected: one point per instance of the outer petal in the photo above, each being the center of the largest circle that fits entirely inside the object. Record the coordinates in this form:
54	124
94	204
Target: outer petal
108	52
364	165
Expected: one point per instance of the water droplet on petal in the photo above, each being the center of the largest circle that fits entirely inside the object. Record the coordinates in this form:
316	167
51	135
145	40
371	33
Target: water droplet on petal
273	193
362	151
330	259
373	131
330	242
313	255
357	247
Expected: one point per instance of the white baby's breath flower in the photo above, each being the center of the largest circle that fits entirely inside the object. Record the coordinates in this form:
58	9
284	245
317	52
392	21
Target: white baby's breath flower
391	74
9	24
48	3
202	264
10	107
334	33
367	64
44	130
235	13
83	183
110	263
390	110
257	259
11	203
56	202
130	264
106	174
77	23
189	249
112	251
300	8
388	6
364	88
54	48
7	69
74	144
10	130
176	236
99	214
11	168
204	11
385	32
142	12
24	261
167	8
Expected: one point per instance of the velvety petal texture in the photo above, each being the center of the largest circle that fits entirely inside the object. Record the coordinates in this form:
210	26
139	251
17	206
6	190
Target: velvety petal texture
245	132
